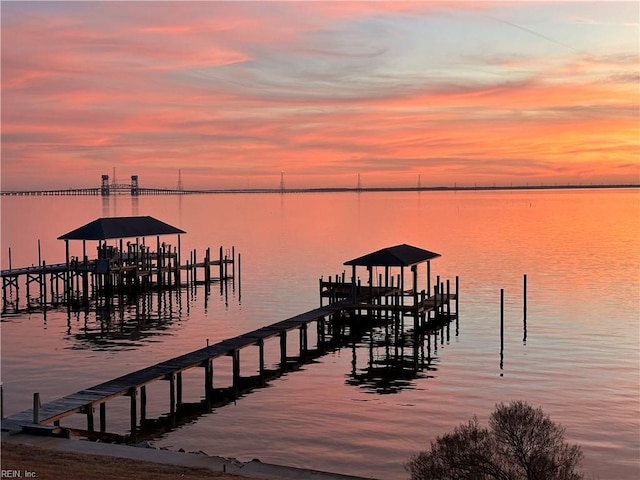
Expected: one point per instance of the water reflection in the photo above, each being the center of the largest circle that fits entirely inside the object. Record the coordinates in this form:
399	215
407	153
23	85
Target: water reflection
124	322
397	358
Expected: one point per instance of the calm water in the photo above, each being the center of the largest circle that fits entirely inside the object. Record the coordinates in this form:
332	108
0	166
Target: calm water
580	362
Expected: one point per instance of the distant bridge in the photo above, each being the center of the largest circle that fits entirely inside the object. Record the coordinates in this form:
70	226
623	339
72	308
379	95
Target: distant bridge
115	189
105	189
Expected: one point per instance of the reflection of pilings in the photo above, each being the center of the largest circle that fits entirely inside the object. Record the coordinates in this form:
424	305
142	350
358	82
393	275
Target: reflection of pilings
395	361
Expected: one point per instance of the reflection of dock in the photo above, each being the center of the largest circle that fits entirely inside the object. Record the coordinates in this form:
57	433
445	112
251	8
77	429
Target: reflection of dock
365	308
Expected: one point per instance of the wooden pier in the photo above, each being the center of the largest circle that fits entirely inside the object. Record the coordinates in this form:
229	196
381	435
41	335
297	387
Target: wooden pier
46	418
350	305
117	269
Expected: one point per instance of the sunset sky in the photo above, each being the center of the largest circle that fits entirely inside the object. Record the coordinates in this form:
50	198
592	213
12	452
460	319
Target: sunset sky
234	93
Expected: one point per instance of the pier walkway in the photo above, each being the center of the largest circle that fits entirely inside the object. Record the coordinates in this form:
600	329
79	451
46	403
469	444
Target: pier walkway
45	418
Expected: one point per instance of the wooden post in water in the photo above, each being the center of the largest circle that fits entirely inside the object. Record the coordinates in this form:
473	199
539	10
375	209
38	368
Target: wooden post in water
207	266
303	341
221	264
239	276
501	319
195	267
43	285
103	416
36	408
414	270
158	268
283	350
67	274
236	369
179	389
134	414
90	418
233	262
435	301
179	259
320	334
143	403
172	394
261	359
176	266
524	308
525	300
208	380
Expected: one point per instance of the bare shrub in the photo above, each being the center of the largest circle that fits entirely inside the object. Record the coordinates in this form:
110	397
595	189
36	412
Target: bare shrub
521	443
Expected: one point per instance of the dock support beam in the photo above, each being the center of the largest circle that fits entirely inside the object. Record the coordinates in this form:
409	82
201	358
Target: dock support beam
457	294
90	426
283	350
172	394
524	306
501	327
261	358
103	417
36	408
303	341
133	393
208	380
179	389
236	368
143	403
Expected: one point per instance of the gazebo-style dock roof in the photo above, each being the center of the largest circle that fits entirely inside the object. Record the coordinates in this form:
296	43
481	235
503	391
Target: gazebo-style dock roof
103	229
397	256
121	227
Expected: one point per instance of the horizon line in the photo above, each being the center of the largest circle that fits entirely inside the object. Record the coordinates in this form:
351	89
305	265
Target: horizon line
160	191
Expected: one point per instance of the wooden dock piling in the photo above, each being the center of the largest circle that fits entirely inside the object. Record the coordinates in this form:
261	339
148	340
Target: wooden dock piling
501	319
524	300
36	408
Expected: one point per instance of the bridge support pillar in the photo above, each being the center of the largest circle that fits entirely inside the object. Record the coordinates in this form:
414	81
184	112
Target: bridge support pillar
104	187
134	185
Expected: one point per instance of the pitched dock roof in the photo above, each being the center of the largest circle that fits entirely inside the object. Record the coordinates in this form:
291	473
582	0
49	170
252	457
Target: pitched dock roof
121	227
398	256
